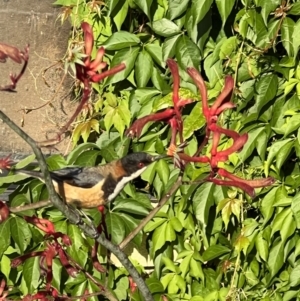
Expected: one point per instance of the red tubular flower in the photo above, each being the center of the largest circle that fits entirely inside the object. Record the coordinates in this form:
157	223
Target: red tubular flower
264	182
65	262
237	145
43	224
137	127
226	92
4	212
197	78
185	157
5	163
248	189
88	38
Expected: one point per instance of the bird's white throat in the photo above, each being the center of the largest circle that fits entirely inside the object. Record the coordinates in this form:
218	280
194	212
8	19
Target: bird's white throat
124	181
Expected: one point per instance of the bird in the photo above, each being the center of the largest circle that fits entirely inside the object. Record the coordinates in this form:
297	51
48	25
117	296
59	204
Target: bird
91	187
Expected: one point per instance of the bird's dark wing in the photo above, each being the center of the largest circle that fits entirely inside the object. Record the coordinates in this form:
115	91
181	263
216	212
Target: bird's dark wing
78	176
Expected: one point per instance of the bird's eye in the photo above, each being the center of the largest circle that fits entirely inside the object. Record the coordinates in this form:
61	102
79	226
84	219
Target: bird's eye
141	165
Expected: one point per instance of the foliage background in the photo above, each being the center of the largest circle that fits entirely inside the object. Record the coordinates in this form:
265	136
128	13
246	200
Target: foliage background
207	242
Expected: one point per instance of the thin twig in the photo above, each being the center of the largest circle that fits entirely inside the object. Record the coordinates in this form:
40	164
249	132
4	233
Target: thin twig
142	224
73	215
37	205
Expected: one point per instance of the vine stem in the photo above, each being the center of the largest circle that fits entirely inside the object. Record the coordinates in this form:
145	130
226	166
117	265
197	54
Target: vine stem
73	215
152	213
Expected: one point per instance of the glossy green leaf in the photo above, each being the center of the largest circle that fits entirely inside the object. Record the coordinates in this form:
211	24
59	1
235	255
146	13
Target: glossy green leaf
275	260
120	40
274	151
165	28
214	251
144	5
154	285
130	206
194	121
187	53
78	249
126	56
116	227
23	163
225	7
287	30
20	232
202	201
143	69
169	47
262	246
159	237
31	273
5	236
121	15
199	9
155	52
177	8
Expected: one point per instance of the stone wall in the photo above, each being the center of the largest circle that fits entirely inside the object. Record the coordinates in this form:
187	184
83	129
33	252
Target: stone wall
35	22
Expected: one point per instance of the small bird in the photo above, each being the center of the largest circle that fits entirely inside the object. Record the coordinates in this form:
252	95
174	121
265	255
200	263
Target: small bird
89	187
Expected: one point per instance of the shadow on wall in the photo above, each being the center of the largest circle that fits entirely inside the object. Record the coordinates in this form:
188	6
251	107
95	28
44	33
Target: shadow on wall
33	22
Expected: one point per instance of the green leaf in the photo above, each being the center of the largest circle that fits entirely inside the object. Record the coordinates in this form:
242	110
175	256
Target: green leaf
115	227
143	69
199	9
194	121
159	237
267	7
295	10
262	246
227	48
202	201
5	234
284	223
31	273
287	31
214	251
87	158
169	47
266	89
23	163
130	206
112	5
120	17
169	264
120	40
275	260
162	168
154	285
177	8
295	276
155	51
73	155
187	53
78	249
295	209
165	28
274	151
296	38
251	143
225	7
283	154
20	232
144	5
159	82
126	56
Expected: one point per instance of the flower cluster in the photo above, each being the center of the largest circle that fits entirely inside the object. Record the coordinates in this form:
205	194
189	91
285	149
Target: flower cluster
53	249
8	51
213	131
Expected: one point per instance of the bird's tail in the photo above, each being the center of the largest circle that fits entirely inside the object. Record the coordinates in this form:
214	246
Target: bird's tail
30	173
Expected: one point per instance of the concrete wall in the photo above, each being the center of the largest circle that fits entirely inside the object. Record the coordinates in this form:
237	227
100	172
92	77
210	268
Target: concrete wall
35	22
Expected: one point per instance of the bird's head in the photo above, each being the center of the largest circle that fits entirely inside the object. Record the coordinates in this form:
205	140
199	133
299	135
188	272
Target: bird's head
136	163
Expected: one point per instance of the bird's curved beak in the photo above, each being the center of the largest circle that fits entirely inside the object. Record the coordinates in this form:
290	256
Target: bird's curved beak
156	158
